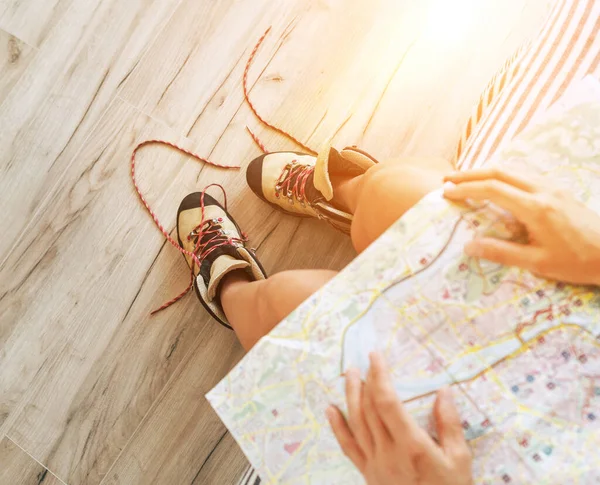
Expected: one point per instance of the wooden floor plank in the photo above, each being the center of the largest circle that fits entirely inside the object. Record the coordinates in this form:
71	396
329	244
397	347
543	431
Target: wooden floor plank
225	464
383	85
198	50
18	468
15	55
461	46
61	95
31	21
185	425
318	61
84	313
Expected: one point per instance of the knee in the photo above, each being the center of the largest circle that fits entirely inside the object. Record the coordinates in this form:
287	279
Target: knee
381	182
386	193
400	183
374	180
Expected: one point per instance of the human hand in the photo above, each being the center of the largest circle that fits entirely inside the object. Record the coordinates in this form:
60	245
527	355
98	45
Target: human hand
564	235
386	444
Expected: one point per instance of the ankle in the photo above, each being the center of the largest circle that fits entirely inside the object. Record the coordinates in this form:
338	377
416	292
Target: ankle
233	280
345	192
231	283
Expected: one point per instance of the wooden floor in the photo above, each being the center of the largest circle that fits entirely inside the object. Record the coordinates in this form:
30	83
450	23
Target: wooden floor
92	389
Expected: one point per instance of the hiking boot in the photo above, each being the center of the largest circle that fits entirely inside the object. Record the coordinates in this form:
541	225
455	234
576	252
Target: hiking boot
300	184
206	229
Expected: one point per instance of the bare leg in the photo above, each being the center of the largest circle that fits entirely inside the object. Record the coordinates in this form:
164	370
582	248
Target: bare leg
377	199
254	308
385	192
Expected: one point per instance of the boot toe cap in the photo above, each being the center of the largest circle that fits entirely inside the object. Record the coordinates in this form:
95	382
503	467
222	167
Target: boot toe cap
254	175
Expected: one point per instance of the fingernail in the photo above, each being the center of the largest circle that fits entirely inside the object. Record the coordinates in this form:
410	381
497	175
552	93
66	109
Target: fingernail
473	249
450	176
446	392
449	189
351	373
374	357
329	413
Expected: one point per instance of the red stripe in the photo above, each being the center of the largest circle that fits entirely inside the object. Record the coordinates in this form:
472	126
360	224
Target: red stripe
490	97
502	81
479	110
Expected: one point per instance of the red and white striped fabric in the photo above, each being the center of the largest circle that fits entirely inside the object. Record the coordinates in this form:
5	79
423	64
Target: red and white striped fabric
492	91
566	50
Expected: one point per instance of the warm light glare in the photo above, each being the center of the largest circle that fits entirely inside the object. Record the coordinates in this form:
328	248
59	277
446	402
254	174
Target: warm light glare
448	20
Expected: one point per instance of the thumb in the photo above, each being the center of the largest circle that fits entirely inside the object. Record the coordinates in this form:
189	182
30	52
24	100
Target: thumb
448	424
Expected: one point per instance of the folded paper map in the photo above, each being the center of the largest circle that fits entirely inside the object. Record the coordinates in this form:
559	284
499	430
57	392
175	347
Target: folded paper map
522	354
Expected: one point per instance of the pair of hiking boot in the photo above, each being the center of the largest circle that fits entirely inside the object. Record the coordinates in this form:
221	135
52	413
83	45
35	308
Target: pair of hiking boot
295	183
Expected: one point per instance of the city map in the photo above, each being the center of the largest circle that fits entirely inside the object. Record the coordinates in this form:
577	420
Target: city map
521	353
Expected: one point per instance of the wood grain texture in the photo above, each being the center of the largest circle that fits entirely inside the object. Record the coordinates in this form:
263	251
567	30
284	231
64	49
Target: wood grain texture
225	464
18	468
31	21
77	414
62	94
191	429
403	87
45	119
91	386
14	58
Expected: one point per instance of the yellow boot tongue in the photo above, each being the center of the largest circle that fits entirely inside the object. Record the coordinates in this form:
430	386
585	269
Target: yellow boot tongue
322	181
349	162
221	266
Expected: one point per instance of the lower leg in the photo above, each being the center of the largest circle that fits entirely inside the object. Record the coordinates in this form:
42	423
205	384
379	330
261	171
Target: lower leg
254	308
345	191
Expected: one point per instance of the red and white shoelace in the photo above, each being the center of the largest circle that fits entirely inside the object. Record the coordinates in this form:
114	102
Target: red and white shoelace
297	174
212	235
